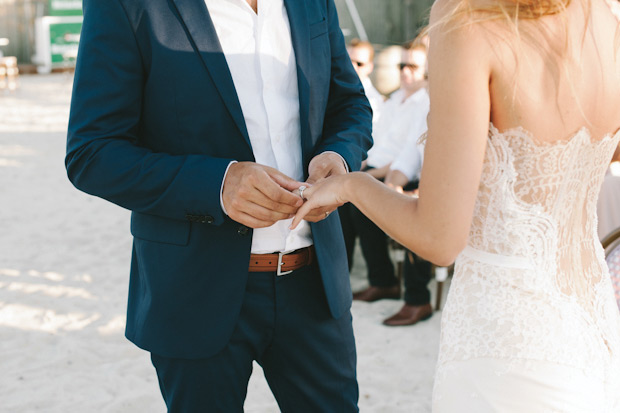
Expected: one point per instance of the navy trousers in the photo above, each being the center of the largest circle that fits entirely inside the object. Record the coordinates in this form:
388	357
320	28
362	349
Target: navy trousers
417	274
308	357
373	242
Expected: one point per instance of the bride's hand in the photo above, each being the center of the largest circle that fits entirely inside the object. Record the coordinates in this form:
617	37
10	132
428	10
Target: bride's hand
324	193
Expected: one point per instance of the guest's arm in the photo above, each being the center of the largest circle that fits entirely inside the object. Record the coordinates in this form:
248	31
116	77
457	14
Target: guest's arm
396	179
379	173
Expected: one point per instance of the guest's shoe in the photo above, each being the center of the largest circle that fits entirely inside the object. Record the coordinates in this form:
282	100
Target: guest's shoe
410	315
378	293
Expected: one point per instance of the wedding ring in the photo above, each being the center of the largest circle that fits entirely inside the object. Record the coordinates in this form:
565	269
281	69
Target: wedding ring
327	214
301	191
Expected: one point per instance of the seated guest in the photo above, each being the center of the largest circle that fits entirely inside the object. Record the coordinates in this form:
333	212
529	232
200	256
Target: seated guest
404	176
403	117
362	56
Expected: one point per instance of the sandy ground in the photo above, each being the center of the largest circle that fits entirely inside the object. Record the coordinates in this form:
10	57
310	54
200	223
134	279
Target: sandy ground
64	261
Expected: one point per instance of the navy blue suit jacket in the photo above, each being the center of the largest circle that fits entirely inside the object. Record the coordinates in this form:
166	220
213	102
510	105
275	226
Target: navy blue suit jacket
155	121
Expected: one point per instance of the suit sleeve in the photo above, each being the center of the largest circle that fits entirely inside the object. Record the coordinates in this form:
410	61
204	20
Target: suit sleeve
347	126
105	156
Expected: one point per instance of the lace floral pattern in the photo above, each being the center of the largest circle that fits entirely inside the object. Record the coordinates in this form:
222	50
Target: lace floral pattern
532	284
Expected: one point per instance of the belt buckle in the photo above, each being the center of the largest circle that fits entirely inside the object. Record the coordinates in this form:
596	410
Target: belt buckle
279	272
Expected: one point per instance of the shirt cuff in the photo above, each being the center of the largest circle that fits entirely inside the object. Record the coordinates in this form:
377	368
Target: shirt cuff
222	187
346	167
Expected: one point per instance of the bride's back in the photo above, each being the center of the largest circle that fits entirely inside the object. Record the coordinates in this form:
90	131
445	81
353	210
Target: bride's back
562	74
531	310
555	93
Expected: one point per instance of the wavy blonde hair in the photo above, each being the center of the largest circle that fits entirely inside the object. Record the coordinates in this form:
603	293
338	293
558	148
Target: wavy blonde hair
513	9
512	12
518	19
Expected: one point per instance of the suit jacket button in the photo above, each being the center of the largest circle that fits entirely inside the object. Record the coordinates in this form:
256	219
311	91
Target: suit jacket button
243	231
206	219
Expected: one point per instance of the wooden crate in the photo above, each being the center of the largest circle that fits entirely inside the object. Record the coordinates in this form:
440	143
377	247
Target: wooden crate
9	73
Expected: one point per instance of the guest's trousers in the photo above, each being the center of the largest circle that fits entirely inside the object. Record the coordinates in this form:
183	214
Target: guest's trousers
417	274
307	356
373	242
348	231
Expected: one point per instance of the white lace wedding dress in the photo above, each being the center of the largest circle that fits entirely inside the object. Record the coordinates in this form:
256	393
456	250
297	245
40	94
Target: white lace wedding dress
531	324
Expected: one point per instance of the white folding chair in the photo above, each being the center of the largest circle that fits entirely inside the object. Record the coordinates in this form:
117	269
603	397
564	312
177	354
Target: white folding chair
611	244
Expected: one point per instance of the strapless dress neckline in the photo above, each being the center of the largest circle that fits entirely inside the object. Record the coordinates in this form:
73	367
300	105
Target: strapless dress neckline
582	134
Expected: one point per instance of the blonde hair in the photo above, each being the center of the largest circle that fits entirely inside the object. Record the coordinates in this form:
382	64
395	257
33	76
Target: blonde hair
511	10
518	26
357	43
416	44
466	12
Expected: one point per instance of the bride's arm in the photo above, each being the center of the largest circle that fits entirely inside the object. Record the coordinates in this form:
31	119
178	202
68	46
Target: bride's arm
436	225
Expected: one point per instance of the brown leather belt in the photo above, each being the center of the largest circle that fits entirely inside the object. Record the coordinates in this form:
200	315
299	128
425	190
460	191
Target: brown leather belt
281	263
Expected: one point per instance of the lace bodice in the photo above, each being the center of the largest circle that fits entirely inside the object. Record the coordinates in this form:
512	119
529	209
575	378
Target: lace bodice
532	283
537	202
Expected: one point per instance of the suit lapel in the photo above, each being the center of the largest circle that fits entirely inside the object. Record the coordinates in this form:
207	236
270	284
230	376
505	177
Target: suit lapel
298	21
202	31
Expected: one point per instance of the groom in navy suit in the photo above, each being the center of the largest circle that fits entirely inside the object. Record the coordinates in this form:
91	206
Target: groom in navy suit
202	117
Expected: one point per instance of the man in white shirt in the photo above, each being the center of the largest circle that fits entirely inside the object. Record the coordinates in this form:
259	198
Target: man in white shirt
205	118
404	176
403	119
362	55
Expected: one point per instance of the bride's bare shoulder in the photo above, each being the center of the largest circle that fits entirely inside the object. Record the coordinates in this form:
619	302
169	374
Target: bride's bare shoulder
454	25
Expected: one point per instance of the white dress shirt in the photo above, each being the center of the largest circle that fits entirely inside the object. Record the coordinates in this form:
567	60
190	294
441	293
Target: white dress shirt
410	159
400	122
261	60
375	98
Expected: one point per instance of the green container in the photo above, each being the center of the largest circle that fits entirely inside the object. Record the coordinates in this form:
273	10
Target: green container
64	40
56	41
66	7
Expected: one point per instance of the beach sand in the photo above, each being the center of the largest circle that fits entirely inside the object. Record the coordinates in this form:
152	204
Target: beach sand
64	265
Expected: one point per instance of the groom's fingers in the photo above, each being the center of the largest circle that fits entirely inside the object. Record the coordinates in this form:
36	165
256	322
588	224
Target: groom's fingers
284	181
252	197
324	165
274	185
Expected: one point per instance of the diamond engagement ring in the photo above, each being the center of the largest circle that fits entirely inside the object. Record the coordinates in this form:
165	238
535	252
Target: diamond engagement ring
327	213
301	191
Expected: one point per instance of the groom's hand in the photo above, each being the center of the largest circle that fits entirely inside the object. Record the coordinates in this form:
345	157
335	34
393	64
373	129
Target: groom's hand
323	166
258	196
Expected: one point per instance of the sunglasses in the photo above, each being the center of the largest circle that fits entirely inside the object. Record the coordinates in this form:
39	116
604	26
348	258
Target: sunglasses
358	64
411	66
